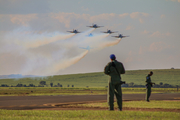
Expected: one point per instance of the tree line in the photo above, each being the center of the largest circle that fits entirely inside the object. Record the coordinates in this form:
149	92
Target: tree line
131	84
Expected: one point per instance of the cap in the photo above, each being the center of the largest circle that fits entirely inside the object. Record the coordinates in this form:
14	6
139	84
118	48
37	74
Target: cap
112	57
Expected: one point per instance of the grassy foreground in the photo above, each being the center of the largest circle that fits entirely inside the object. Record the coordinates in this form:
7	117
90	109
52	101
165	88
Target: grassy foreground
98	114
86	115
138	104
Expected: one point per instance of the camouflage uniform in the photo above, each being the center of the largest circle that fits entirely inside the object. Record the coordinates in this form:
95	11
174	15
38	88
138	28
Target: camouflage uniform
148	87
114	83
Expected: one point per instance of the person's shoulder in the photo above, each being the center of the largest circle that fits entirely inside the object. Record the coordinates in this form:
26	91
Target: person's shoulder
109	63
118	62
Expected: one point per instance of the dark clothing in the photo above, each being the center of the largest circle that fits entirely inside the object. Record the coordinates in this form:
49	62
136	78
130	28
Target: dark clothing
148	87
114	69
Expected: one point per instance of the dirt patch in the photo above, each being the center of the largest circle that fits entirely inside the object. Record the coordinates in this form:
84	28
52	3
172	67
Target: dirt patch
76	106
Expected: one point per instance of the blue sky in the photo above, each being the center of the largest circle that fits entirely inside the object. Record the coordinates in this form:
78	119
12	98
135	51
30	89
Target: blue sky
153	27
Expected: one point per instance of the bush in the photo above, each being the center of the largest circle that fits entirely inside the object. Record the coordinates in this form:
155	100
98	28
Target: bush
4	85
42	82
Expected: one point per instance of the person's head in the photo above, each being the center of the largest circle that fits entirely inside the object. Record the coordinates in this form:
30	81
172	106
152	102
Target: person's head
151	73
112	57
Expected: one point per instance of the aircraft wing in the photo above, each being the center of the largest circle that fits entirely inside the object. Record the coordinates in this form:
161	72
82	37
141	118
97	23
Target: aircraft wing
99	26
125	36
70	31
116	36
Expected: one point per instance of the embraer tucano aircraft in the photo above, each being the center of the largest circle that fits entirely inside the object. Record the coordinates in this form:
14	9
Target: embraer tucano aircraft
110	32
74	31
95	26
120	36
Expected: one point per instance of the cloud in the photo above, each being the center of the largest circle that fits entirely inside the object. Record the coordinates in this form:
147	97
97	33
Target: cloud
158	46
129	27
145	32
163	16
129	58
56	21
22	19
140	16
62	20
123	15
160	35
176	1
142	50
157	34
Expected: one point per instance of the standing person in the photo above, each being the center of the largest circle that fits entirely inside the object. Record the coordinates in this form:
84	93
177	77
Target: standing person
148	85
114	69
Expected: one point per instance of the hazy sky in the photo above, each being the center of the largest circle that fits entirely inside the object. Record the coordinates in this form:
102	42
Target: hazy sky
33	37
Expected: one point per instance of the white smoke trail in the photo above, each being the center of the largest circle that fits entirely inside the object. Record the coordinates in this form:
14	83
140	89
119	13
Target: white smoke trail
67	62
28	39
110	43
46	53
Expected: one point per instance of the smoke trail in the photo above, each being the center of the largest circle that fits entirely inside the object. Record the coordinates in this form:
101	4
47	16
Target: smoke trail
68	62
90	30
28	39
110	43
46	53
94	41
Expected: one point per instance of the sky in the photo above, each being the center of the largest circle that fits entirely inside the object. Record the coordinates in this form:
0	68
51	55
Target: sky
34	38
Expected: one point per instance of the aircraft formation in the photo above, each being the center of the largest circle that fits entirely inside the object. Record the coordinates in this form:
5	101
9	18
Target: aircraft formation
96	26
75	31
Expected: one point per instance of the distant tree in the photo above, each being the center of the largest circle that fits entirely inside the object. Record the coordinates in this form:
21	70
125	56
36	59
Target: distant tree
160	83
40	85
131	84
156	86
177	87
124	85
58	85
51	84
31	85
166	85
4	85
19	85
42	82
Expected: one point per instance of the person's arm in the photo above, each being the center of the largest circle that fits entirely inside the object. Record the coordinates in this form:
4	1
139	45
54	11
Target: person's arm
107	69
152	83
123	70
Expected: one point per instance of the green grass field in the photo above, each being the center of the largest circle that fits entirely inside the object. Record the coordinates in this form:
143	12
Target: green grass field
86	115
98	114
96	83
99	79
139	104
